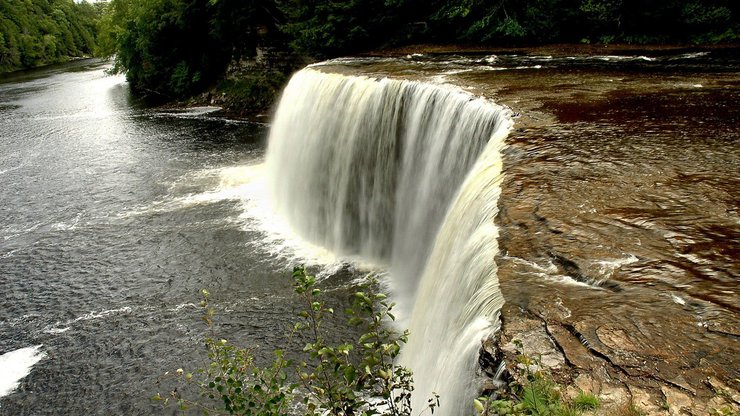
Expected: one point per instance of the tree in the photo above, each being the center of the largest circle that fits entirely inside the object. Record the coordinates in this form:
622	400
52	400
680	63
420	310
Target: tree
41	32
175	48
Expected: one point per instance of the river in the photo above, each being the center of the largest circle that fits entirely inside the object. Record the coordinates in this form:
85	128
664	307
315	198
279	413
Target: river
618	213
113	217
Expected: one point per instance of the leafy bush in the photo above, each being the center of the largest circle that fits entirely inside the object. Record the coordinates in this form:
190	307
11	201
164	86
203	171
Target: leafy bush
355	377
252	92
166	47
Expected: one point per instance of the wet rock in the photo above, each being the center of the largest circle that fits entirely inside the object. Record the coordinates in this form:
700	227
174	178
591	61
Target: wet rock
721	389
490	357
678	402
647	402
576	353
528	336
622	362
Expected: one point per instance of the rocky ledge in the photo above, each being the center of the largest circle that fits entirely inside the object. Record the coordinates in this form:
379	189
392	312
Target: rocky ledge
624	370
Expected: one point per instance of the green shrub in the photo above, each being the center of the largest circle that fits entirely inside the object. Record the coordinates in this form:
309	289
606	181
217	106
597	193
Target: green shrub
354	377
254	91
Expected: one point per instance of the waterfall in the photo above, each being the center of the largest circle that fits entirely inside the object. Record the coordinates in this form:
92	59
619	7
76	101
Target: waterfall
405	174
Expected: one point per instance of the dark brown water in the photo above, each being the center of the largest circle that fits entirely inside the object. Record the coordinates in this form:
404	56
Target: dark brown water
631	188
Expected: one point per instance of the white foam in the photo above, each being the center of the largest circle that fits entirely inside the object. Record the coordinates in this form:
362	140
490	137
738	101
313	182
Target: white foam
183	306
55	331
693	258
569	281
68	226
550	268
189	113
61	327
607	267
209	178
9	254
16	365
678	299
246	185
690	55
259	215
2	172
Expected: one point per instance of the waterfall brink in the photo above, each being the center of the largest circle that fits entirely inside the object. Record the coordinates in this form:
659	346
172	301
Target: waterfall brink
405	174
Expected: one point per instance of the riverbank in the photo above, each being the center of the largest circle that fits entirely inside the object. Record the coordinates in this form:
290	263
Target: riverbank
16	72
249	96
250	88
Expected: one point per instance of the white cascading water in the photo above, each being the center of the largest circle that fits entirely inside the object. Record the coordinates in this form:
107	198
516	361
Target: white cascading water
407	174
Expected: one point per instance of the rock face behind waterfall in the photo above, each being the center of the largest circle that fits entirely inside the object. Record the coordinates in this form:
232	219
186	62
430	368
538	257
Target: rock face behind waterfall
405	174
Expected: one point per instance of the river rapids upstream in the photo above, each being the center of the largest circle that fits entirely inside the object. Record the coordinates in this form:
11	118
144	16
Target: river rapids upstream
595	193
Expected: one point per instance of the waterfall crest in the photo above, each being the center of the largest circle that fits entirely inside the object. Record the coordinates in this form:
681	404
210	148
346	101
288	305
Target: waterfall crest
406	174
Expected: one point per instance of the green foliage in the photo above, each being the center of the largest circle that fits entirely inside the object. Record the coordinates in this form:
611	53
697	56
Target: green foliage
253	91
604	21
330	28
534	394
586	401
631	410
232	382
166	47
352	377
41	32
175	48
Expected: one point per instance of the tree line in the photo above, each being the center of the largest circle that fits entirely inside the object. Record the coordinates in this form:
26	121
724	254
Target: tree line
177	47
41	32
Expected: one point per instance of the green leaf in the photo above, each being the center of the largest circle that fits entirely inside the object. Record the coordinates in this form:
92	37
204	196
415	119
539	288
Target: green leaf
349	374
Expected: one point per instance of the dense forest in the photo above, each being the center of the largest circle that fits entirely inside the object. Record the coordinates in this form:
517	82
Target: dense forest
41	32
177	47
174	48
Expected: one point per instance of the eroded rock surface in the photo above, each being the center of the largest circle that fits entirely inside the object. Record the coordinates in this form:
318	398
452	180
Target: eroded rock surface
620	374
